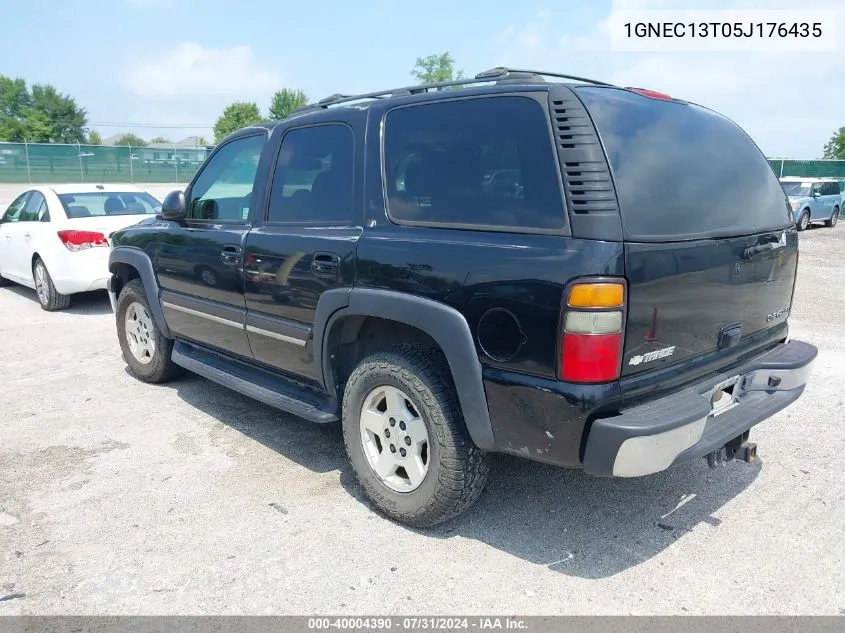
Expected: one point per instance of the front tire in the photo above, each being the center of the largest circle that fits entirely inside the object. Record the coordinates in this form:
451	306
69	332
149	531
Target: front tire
50	299
406	438
834	217
804	220
145	349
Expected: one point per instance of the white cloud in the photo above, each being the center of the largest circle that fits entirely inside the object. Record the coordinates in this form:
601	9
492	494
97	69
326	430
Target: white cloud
789	103
191	70
532	35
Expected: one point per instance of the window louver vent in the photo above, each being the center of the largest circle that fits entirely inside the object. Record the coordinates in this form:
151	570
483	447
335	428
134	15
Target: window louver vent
586	178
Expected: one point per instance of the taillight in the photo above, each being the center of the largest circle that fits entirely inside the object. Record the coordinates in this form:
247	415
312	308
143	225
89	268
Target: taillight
591	346
81	240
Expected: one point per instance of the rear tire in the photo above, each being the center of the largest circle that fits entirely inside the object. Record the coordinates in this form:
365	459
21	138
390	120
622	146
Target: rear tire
803	220
834	217
50	299
145	349
401	416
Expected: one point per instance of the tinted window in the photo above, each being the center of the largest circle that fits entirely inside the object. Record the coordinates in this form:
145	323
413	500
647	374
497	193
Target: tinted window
682	171
830	189
13	213
99	203
34	208
314	176
223	190
475	162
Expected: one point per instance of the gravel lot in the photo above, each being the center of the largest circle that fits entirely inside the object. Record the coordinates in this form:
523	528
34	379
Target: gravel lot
118	497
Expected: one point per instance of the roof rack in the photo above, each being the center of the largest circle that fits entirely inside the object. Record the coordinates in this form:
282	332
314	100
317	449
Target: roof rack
499	74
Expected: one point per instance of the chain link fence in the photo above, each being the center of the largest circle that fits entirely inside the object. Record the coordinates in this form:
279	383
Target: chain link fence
808	168
41	163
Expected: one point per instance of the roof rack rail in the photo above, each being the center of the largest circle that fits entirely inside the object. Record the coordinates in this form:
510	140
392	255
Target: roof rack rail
498	74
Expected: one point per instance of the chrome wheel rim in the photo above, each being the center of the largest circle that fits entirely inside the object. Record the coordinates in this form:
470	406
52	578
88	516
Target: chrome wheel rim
139	333
805	220
395	439
41	283
835	217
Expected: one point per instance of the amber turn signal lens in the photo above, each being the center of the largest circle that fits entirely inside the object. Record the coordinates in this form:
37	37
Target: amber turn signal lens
602	295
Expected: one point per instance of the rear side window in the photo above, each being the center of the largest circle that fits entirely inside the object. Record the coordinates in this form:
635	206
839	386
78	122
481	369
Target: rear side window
476	163
683	172
830	189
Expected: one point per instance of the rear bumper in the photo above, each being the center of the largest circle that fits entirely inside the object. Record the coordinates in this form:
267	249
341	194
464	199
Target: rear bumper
82	271
110	286
677	428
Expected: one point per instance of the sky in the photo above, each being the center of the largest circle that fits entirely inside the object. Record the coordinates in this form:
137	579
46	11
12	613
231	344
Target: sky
169	67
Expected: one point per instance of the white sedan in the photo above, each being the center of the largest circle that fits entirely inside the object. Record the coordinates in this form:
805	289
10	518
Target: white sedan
56	239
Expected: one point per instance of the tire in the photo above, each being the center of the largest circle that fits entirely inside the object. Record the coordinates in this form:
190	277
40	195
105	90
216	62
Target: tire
147	352
455	470
804	220
50	299
834	217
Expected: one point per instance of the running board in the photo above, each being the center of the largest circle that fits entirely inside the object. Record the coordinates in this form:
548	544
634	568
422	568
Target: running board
255	382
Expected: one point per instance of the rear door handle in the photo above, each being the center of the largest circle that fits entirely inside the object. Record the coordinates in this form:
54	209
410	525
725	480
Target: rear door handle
231	255
325	264
26	235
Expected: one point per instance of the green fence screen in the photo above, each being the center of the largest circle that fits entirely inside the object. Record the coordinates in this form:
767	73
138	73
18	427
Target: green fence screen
808	168
42	163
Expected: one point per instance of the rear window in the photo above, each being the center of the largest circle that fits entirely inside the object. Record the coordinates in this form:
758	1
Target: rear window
484	162
101	203
683	172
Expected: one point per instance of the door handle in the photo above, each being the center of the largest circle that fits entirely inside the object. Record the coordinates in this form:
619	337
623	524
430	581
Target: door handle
231	255
325	264
26	235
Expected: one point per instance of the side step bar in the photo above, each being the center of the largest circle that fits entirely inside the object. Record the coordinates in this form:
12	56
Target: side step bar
255	382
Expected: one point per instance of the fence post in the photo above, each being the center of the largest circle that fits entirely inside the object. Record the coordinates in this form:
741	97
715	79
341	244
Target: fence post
79	156
781	168
176	162
28	171
131	170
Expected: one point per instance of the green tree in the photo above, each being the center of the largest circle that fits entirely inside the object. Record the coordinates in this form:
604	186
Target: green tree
835	147
286	101
160	139
131	139
66	119
94	138
42	115
235	116
436	68
202	141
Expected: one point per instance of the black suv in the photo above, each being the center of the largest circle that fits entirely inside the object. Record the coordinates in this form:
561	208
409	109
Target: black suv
529	263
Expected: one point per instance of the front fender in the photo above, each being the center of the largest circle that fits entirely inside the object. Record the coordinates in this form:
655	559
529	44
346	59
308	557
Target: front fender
444	324
140	261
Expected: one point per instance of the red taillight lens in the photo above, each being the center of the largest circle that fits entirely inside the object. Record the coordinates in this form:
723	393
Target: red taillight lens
80	240
651	94
591	357
593	332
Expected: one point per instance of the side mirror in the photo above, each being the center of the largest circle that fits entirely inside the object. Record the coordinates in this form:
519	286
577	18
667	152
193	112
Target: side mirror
173	207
